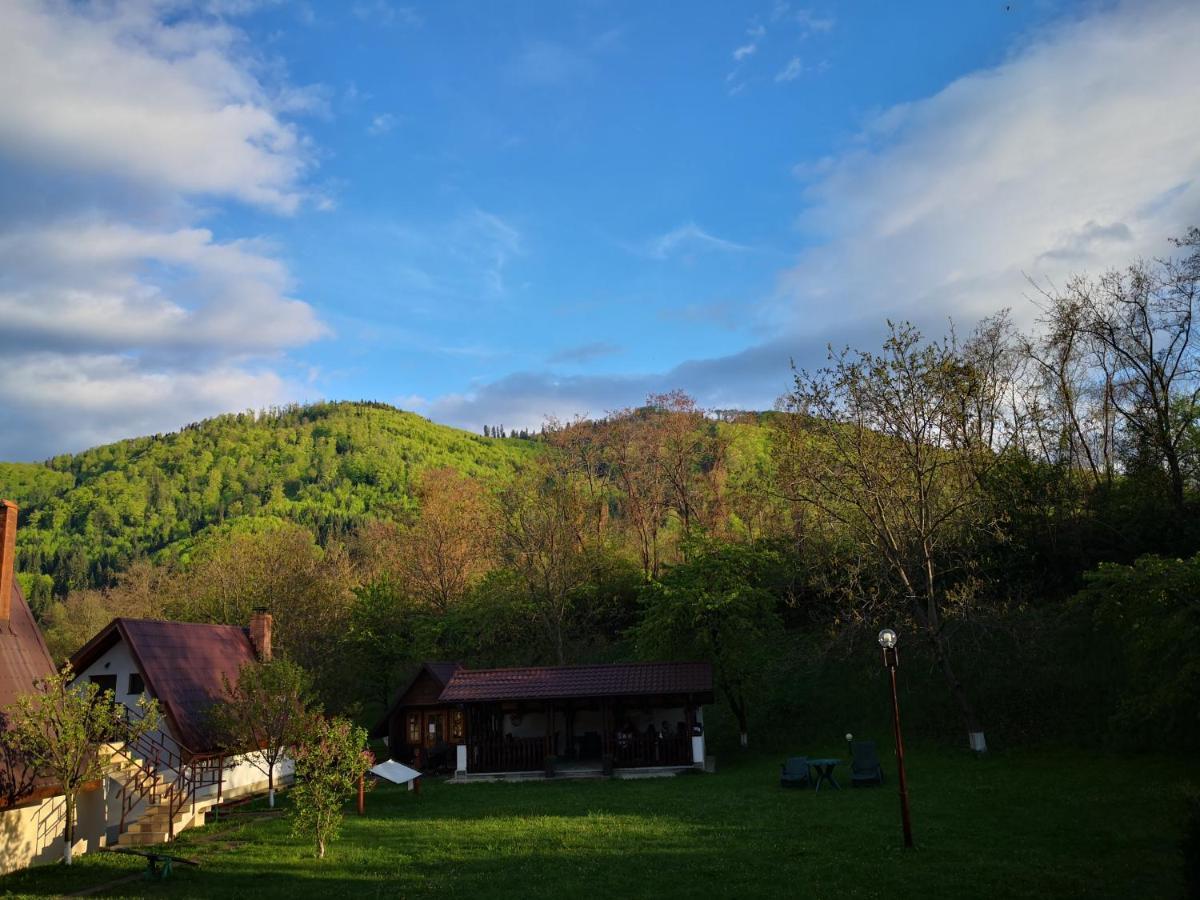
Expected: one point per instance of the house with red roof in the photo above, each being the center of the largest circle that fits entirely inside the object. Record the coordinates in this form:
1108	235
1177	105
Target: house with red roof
618	719
32	807
174	775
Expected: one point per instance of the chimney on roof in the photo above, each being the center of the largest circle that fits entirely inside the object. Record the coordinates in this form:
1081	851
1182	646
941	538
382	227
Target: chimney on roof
8	550
260	633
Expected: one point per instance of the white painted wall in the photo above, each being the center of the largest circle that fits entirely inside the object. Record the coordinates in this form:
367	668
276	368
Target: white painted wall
118	661
32	835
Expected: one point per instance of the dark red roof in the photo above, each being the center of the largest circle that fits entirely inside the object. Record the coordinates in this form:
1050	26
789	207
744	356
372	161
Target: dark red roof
560	682
23	660
440	673
182	664
23	654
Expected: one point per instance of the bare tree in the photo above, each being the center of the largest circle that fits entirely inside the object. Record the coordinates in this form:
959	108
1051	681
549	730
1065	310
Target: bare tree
1139	327
544	522
892	448
450	545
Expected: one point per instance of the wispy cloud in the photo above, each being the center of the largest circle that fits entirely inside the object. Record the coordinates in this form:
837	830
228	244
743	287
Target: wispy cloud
789	25
1077	153
687	237
547	64
381	124
584	353
793	70
464	259
381	12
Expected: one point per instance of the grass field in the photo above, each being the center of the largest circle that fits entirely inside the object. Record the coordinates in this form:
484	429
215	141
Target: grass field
1045	824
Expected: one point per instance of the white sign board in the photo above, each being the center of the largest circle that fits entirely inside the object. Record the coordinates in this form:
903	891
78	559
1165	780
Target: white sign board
395	772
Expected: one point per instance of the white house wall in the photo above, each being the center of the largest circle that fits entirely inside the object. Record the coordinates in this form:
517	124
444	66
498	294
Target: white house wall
33	835
118	661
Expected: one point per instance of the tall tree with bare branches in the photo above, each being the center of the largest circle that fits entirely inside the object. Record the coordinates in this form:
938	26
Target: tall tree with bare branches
892	447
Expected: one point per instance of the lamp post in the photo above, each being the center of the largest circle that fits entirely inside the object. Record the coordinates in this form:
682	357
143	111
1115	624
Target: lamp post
887	642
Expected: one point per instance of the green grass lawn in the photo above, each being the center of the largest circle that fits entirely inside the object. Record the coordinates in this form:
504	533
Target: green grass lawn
1044	824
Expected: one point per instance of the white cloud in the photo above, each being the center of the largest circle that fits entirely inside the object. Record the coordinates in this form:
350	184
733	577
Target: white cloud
54	403
743	51
1080	152
115	91
381	124
793	70
460	260
82	286
544	63
688	236
120	126
811	21
381	12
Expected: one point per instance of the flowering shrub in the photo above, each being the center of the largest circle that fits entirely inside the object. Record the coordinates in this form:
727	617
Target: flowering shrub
330	759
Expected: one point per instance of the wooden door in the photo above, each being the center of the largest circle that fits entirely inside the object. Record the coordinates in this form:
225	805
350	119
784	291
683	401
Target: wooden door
435	728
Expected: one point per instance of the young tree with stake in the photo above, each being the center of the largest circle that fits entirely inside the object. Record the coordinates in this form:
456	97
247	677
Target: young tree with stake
331	758
263	712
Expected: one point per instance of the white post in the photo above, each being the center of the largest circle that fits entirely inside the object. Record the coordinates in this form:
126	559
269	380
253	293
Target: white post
461	767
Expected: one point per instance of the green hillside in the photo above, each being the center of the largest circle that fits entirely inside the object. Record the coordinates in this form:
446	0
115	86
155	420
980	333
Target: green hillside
86	516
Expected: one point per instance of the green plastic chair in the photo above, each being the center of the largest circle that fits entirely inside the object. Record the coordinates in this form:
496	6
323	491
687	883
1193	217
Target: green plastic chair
864	764
794	773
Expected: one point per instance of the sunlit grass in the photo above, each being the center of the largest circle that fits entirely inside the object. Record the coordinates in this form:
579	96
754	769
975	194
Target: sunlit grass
1062	824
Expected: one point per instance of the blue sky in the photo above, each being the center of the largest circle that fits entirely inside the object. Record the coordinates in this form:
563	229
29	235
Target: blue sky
490	213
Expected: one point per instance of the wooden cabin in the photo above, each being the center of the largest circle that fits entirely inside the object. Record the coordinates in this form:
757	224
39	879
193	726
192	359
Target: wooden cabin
421	730
551	718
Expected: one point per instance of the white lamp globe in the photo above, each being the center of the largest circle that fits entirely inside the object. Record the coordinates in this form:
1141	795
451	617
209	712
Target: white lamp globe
887	639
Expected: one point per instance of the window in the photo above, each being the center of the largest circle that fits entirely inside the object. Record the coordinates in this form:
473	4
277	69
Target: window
456	726
136	685
414	728
107	683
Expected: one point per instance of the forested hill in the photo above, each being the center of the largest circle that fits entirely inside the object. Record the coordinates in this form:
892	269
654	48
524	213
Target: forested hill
85	517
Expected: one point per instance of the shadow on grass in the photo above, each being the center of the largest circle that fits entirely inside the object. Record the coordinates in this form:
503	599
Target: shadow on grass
1021	825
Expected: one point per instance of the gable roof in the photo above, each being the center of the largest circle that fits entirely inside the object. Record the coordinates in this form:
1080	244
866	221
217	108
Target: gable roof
24	657
562	682
182	664
440	671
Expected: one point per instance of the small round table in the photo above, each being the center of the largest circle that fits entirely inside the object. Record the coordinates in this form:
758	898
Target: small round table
824	769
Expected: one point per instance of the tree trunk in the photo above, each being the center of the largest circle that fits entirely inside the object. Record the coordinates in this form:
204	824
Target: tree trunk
739	711
69	816
965	707
1175	471
320	849
271	785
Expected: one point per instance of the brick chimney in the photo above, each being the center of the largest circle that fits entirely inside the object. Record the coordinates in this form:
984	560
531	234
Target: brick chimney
260	633
8	549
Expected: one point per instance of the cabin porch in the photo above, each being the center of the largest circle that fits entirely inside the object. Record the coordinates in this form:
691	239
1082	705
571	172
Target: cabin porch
582	737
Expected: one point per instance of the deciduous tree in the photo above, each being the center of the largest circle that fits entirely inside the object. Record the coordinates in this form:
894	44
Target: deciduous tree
62	729
262	714
330	759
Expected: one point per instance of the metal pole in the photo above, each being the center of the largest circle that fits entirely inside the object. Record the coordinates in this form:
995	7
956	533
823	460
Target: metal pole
890	658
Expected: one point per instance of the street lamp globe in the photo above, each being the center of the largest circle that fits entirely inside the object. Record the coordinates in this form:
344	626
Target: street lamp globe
887	639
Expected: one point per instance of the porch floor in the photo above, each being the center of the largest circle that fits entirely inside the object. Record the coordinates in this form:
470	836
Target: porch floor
567	770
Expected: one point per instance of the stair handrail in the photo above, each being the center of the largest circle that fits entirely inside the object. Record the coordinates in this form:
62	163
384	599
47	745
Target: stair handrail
196	774
149	752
